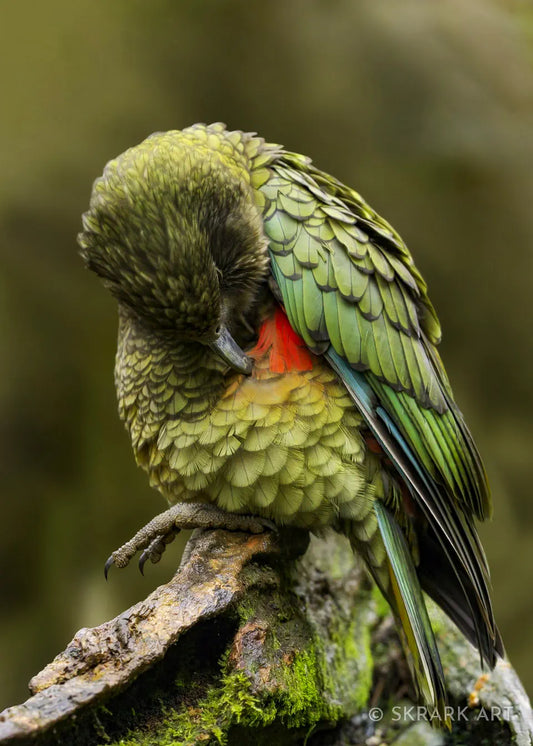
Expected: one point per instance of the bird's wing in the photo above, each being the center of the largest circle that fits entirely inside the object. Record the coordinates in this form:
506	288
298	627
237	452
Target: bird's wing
351	290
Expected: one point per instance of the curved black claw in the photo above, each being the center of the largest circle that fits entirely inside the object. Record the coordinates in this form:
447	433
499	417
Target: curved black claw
108	564
143	558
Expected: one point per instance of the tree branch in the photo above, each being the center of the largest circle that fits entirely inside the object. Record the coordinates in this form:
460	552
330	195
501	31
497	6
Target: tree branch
252	643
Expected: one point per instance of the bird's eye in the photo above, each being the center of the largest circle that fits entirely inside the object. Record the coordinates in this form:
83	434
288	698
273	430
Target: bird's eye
218	330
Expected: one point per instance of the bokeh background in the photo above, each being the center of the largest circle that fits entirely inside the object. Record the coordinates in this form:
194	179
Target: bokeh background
425	108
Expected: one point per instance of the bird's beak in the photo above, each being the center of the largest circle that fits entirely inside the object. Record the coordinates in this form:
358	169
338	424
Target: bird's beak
228	349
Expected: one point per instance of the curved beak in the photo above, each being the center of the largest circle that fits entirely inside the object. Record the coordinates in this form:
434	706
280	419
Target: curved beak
228	349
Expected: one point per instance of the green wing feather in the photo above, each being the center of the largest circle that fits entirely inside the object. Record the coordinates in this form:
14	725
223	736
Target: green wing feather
406	598
348	281
372	306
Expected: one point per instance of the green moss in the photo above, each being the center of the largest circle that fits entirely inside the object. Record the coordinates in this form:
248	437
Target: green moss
358	649
302	703
381	605
298	703
208	720
348	673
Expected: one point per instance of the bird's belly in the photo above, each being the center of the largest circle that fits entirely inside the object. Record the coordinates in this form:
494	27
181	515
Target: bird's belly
288	447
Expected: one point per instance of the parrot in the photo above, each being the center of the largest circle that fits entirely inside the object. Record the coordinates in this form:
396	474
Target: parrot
277	365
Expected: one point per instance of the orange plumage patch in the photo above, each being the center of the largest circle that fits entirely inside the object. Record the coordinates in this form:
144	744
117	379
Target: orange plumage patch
286	349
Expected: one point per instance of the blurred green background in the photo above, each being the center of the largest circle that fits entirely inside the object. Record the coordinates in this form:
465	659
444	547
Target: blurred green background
425	107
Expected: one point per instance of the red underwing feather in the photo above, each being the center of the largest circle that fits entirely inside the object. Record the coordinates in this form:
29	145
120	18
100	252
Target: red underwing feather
286	349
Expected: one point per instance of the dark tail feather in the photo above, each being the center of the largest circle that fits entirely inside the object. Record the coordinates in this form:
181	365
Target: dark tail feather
439	579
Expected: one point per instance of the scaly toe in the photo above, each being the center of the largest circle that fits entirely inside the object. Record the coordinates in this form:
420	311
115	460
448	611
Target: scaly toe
154	550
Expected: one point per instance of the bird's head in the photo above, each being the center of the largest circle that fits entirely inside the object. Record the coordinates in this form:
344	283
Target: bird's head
173	231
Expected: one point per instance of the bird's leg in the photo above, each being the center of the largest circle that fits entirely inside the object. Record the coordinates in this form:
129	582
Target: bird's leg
163	529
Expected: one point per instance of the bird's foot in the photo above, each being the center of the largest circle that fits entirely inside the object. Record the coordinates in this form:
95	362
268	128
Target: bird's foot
153	538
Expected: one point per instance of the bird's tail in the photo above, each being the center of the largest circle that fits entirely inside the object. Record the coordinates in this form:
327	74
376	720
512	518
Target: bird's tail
399	583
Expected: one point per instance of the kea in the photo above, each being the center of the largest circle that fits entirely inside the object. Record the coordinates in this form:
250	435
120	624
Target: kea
277	365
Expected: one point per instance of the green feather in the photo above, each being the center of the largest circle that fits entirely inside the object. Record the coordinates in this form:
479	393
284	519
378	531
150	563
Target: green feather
372	304
313	308
331	303
405	596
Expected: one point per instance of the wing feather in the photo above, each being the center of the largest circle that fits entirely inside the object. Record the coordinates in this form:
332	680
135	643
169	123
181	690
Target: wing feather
346	276
373	305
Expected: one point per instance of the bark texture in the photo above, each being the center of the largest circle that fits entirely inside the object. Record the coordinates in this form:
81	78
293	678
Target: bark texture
256	640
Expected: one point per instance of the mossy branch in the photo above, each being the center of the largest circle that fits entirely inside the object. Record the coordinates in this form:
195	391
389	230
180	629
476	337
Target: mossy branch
257	641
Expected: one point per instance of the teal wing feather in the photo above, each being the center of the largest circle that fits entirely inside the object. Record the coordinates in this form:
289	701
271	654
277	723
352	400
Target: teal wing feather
351	290
408	603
